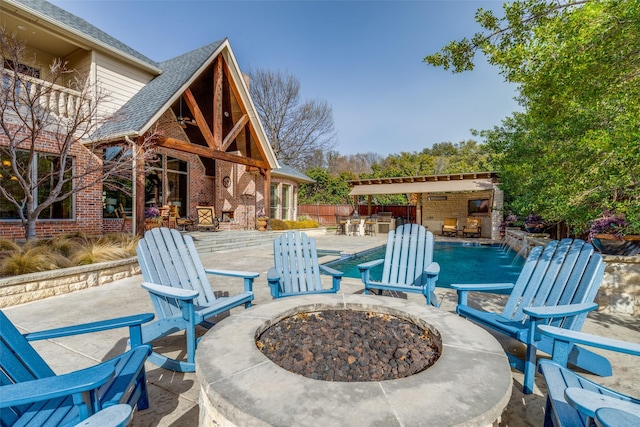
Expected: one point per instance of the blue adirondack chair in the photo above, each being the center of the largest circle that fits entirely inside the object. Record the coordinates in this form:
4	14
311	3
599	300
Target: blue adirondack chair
31	394
557	286
573	400
296	270
408	264
181	293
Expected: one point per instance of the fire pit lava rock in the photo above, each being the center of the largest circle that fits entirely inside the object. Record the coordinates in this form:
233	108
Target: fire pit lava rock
469	384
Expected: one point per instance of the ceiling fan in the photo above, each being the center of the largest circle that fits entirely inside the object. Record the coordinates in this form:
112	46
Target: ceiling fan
184	121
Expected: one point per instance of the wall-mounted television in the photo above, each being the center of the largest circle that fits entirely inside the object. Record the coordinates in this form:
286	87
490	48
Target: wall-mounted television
478	206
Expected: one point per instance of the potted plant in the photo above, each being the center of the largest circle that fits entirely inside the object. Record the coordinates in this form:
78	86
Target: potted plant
152	218
261	220
613	234
534	223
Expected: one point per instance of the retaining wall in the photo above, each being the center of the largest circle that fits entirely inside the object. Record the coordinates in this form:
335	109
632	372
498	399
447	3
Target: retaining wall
35	286
620	288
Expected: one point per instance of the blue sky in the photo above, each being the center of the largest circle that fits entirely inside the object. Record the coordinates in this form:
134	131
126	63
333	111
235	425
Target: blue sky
363	57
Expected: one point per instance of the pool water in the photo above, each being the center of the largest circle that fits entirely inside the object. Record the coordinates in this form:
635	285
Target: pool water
459	263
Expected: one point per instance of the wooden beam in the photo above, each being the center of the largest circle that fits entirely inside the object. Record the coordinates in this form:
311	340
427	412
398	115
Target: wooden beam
237	128
200	150
200	120
217	101
236	93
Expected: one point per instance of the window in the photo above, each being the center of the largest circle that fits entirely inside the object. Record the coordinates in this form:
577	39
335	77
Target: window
286	202
172	190
43	169
21	68
275	201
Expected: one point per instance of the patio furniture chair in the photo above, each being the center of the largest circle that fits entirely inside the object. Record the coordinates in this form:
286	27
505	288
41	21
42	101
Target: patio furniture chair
472	228
450	227
341	225
557	285
370	226
181	293
121	213
207	218
296	270
573	400
182	224
32	394
168	220
408	264
356	226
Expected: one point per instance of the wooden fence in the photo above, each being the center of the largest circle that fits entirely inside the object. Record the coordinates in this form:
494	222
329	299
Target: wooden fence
326	214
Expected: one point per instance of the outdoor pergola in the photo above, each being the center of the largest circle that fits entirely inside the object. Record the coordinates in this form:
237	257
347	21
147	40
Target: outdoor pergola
429	184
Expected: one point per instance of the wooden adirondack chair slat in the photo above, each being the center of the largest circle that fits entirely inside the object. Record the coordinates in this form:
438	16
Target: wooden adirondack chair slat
180	291
31	394
558	409
408	264
562	275
296	269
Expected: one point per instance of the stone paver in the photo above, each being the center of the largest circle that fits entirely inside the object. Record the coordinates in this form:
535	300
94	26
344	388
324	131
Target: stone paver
174	396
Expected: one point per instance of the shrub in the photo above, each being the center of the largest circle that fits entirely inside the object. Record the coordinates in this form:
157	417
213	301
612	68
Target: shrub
277	224
64	251
38	258
99	252
307	223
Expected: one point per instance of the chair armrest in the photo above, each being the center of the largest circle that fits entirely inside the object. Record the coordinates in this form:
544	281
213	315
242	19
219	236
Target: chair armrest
169	292
433	269
464	289
369	265
115	416
273	276
231	273
248	276
482	287
53	387
331	271
103	325
587	402
559	310
590	340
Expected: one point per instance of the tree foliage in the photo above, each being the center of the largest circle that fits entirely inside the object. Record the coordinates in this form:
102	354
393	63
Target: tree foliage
574	150
296	129
442	158
47	154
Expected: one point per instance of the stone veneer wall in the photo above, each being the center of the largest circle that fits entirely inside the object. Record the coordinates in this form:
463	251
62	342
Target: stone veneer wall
620	288
35	286
455	206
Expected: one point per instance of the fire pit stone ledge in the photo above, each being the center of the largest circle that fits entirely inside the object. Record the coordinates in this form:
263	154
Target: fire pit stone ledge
469	385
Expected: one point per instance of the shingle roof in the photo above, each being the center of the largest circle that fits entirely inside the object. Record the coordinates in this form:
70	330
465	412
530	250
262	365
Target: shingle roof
290	172
82	26
154	96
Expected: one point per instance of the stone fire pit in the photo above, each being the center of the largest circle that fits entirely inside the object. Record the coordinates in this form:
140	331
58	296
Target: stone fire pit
470	384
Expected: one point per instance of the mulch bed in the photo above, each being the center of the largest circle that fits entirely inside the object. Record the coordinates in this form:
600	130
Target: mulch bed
349	345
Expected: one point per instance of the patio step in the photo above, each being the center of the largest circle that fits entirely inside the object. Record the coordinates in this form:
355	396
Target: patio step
215	241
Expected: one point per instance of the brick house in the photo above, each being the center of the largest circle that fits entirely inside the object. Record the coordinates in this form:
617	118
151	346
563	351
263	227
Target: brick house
210	147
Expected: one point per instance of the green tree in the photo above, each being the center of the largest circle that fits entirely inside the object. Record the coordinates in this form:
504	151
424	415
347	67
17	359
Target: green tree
574	150
328	188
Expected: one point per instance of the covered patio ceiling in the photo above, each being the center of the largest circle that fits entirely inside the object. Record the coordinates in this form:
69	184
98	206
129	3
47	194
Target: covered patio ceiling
474	181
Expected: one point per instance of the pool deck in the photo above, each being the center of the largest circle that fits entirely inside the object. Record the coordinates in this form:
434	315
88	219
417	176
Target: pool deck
174	396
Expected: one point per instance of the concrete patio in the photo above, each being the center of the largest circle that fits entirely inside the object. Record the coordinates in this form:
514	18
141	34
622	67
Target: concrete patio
174	396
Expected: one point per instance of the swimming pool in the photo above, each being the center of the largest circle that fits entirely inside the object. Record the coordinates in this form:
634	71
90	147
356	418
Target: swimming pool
459	263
